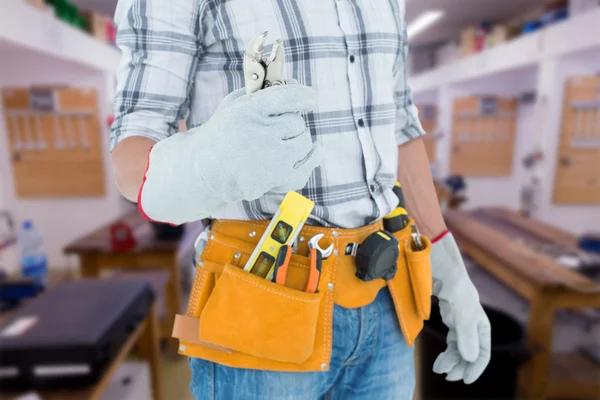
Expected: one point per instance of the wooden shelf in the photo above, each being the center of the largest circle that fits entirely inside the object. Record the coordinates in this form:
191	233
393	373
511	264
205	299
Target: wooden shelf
573	375
24	28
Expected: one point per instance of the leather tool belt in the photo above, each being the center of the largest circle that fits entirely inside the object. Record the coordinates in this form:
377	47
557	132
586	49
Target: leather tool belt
237	319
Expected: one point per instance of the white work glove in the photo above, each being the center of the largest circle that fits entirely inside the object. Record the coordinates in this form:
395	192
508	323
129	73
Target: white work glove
469	337
253	144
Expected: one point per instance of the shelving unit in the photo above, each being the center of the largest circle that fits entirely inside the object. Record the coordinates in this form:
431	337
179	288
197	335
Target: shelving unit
521	52
534	69
39	50
26	29
555	41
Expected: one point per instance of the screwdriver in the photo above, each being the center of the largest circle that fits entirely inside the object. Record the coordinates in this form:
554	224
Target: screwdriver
397	219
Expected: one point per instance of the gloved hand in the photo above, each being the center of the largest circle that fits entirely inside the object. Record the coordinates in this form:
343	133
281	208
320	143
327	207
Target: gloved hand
254	143
469	337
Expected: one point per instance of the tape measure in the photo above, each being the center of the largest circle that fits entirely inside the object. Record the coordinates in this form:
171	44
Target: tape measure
377	256
282	231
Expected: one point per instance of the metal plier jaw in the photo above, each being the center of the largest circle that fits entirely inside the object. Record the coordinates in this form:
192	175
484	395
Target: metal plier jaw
258	73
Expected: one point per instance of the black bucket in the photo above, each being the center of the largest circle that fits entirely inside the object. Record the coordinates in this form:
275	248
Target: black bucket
498	381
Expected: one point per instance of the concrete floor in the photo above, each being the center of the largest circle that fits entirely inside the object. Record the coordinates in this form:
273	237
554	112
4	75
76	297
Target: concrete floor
176	378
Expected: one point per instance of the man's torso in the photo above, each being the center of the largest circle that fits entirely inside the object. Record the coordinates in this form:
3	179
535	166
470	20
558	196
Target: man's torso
349	51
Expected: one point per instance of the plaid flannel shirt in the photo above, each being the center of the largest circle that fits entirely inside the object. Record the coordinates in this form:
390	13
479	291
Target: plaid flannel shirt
182	57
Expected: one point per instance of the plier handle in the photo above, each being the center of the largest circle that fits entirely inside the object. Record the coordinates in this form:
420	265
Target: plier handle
282	263
258	73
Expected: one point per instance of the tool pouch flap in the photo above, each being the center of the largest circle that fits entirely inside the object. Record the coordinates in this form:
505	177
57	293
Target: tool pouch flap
186	328
254	316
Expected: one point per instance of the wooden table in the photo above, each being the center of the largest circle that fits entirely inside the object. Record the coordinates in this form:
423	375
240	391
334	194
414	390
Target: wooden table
515	249
95	255
146	336
445	195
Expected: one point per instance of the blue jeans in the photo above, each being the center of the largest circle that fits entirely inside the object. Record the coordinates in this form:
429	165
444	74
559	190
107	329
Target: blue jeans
370	360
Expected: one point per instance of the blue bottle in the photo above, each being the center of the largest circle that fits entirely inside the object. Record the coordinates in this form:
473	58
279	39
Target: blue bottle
34	260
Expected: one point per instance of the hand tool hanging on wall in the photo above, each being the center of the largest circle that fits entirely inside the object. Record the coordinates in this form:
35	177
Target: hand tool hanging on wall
83	131
586	130
30	142
69	132
58	142
39	132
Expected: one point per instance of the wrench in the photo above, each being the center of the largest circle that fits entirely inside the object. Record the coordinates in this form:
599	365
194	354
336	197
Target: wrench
313	243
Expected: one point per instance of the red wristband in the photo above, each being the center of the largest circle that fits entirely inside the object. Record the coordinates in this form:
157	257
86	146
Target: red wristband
440	236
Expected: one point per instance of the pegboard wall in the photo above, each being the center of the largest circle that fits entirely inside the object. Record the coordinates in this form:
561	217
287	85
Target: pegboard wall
54	142
577	178
483	136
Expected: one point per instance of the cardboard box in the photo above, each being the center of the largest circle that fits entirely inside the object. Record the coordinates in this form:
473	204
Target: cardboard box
468	38
96	24
37	4
499	35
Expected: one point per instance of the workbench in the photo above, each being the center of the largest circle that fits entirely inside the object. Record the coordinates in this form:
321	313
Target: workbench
95	255
520	252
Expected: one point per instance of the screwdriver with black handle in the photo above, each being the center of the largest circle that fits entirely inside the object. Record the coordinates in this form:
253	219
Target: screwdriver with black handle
397	219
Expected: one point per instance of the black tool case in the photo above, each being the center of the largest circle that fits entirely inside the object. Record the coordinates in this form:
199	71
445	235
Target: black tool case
66	337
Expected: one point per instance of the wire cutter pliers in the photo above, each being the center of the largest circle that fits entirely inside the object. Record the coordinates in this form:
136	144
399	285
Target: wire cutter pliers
316	256
282	263
258	73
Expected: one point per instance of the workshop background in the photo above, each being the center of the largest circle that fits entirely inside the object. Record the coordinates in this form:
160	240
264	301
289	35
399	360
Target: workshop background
509	94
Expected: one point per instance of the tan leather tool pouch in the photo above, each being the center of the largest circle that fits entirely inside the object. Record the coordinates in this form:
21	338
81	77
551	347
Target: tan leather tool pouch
240	320
254	316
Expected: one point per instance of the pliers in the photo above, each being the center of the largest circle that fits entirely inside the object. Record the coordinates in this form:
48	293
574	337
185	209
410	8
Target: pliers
258	73
316	255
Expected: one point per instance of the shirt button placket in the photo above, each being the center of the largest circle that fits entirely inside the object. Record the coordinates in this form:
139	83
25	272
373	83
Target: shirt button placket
356	90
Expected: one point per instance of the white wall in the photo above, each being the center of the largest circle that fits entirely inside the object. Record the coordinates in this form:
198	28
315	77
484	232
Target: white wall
575	218
61	220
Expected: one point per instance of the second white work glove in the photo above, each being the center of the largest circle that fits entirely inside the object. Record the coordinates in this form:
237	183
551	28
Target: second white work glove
254	143
469	337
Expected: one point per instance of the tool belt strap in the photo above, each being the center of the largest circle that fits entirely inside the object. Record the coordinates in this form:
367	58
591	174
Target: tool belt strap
229	307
